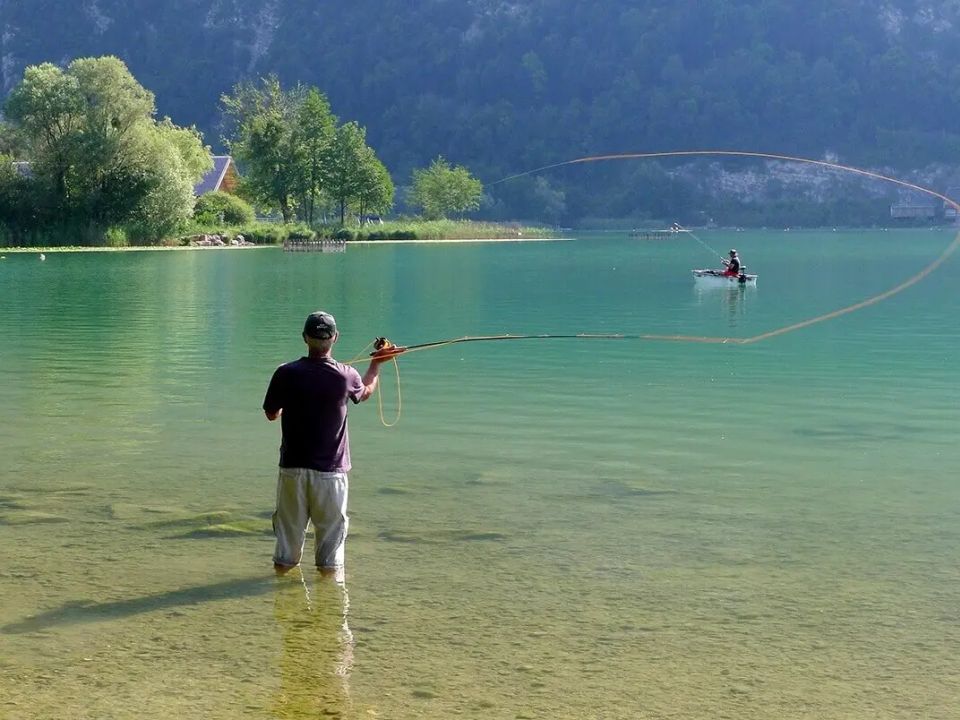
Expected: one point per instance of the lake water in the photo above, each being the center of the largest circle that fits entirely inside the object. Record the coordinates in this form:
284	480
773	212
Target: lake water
554	529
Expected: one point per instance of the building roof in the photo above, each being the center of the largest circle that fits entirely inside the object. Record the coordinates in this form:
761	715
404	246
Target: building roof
214	179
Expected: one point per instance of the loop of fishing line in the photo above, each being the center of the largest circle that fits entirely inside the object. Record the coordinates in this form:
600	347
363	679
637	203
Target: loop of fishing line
873	300
364	354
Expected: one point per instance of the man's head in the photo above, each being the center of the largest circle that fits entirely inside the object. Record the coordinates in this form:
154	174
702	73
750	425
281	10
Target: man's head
733	253
320	331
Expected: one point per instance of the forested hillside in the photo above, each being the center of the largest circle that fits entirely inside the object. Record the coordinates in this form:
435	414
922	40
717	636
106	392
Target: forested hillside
504	86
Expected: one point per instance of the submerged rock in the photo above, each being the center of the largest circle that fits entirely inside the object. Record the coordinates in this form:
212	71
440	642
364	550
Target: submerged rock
195	521
480	536
237	528
30	517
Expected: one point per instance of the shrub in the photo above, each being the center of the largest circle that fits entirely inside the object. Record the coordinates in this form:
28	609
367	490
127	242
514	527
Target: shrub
115	237
219	207
344	234
300	232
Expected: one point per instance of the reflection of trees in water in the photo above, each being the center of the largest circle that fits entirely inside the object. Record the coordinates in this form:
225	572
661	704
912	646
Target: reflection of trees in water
317	648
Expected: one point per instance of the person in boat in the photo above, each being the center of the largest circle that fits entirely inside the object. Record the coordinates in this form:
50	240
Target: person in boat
733	265
310	396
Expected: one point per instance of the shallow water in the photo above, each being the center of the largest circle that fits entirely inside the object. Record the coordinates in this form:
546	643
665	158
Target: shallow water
555	529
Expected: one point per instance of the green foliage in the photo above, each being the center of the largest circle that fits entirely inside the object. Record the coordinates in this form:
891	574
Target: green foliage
283	138
441	189
313	134
354	177
98	159
375	189
509	87
265	233
506	87
218	207
115	237
259	233
297	159
415	229
263	118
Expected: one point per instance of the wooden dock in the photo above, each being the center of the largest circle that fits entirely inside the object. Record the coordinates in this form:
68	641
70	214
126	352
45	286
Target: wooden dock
323	246
669	234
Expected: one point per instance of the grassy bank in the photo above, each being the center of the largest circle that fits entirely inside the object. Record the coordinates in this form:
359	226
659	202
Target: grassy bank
434	230
263	233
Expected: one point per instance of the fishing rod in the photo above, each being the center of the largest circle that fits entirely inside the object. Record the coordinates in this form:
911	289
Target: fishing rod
385	349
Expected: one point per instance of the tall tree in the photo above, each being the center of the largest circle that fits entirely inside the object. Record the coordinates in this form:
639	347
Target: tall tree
346	155
47	106
97	154
314	133
442	189
261	120
375	189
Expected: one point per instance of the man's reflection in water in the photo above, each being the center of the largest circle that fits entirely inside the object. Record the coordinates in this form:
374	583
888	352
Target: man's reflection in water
317	647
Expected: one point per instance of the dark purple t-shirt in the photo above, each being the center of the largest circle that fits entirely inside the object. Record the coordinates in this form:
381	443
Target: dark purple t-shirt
313	395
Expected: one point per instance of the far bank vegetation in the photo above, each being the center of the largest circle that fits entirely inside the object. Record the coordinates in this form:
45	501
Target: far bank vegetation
84	161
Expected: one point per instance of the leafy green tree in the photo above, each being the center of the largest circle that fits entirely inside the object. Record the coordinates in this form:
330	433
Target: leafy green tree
220	207
375	189
168	201
314	132
295	156
98	157
345	157
47	107
442	189
265	139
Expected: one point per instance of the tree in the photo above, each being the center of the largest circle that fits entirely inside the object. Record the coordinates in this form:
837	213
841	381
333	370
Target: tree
441	189
47	106
265	139
98	158
220	207
345	157
314	133
168	199
375	188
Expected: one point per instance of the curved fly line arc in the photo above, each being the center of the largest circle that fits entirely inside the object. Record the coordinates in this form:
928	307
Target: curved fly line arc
783	330
389	352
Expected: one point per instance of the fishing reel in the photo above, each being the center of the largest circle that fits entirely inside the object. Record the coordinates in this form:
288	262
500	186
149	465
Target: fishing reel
384	349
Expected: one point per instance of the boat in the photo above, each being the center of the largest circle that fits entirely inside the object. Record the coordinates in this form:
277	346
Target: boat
719	279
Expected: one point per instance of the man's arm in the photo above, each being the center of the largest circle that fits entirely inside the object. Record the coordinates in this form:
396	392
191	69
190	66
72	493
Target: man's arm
370	379
273	400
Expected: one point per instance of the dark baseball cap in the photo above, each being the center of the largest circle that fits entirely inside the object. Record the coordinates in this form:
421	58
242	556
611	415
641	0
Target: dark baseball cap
320	325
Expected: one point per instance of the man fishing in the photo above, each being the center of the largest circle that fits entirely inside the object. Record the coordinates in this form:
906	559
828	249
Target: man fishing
310	396
733	264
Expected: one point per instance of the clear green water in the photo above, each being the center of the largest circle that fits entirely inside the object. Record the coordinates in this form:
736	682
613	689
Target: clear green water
555	529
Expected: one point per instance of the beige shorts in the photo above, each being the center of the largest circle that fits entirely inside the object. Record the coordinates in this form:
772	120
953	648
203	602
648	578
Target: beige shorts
304	496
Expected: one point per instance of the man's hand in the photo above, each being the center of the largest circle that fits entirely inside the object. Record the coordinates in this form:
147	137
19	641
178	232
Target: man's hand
271	416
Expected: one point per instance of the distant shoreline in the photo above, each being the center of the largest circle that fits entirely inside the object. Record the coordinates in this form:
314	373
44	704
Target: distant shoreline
454	241
169	248
128	248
